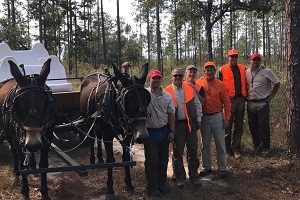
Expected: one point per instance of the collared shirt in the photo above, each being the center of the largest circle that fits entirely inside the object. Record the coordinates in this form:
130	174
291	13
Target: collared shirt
179	93
158	109
216	97
259	82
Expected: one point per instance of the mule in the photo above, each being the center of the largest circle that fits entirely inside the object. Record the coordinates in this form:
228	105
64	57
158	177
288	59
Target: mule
120	103
27	120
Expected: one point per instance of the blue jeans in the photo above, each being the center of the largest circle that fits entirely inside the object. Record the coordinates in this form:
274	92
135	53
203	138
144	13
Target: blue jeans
156	161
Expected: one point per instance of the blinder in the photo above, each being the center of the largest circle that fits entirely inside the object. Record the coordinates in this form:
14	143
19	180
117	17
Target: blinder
138	105
12	114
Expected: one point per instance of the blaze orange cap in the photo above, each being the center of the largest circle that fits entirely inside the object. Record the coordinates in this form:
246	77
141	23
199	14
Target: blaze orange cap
233	52
209	63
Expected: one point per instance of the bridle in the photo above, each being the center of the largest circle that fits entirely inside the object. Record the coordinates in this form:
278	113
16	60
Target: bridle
10	110
114	99
124	118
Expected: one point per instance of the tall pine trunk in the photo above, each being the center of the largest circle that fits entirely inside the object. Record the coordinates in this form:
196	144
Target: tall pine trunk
292	9
103	34
158	39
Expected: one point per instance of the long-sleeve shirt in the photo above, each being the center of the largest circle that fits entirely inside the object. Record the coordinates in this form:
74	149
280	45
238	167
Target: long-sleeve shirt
179	92
216	97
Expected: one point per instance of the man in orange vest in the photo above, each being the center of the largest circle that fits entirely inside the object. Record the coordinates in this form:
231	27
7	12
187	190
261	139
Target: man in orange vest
188	113
234	77
190	78
215	101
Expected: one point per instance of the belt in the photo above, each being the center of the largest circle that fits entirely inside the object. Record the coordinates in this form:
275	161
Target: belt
159	129
210	114
257	100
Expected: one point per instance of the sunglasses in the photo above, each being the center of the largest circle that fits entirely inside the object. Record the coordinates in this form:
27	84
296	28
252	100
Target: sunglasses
178	75
256	60
234	56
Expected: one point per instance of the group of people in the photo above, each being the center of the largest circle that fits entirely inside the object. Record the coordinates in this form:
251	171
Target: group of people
213	104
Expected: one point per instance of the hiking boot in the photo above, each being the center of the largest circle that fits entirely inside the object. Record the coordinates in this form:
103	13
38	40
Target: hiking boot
155	193
205	172
180	184
196	182
165	189
265	152
229	152
221	175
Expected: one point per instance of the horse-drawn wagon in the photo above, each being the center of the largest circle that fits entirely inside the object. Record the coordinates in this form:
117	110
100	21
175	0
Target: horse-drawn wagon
35	94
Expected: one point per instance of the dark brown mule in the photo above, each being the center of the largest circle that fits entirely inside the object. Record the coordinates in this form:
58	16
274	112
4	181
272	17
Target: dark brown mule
121	103
27	120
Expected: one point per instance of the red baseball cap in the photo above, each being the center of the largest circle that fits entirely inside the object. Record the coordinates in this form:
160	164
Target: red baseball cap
154	73
209	64
233	52
255	55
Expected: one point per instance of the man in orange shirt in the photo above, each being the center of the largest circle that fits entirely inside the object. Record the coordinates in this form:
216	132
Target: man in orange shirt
215	100
234	77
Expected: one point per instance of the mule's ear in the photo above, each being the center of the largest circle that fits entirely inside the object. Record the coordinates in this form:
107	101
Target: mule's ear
119	75
144	73
45	71
15	71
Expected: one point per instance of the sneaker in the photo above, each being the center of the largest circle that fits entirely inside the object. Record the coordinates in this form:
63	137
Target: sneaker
180	184
165	189
205	172
196	182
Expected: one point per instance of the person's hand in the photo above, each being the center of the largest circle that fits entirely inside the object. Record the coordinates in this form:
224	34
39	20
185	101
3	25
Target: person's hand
171	136
226	123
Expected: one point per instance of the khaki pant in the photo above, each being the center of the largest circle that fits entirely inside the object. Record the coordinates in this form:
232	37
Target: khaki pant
213	126
184	137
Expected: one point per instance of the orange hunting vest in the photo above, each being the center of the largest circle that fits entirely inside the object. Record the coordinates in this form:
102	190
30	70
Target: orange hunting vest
189	95
228	79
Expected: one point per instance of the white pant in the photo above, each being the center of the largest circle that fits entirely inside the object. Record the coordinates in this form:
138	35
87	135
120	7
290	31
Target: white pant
213	125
